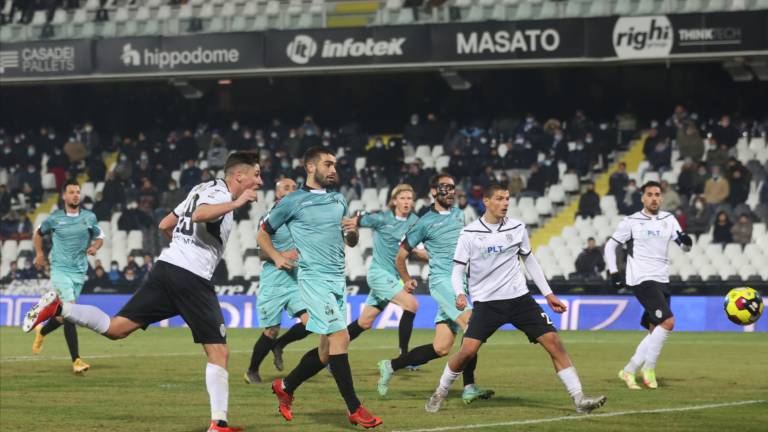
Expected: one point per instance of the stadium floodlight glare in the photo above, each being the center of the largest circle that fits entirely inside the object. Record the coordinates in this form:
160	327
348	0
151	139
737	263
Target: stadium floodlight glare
454	80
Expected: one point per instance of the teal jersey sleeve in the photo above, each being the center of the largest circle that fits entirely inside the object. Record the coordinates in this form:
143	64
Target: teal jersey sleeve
373	220
417	233
47	226
279	215
93	225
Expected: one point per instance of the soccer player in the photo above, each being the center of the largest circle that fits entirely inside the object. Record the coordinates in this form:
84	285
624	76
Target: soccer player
278	290
491	246
647	234
179	283
76	233
314	217
439	230
383	279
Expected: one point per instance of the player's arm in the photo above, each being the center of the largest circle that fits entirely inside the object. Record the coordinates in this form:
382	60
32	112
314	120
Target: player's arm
350	231
682	239
266	247
457	283
211	212
167	224
420	253
37	239
622	235
409	283
537	274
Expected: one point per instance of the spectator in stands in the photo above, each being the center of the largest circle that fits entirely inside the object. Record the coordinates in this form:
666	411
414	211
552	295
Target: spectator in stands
559	146
171	197
114	190
475	199
742	230
100	277
651	140
716	189
631	202
13	274
149	194
726	133
353	190
292	144
689	142
147	266
678	119
102	208
114	272
590	261
689	182
739	189
589	203
217	155
75	150
418	179
124	168
515	185
130	277
487	177
414	132
134	218
717	154
698	218
618	181
33	157
142	171
8	158
537	183
670	197
435	130
15	226
577	159
762	207
96	168
30	183
5	200
470	215
721	233
190	176
661	155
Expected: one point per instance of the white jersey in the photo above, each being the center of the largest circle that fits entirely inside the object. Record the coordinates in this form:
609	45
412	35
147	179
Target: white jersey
490	253
198	247
647	239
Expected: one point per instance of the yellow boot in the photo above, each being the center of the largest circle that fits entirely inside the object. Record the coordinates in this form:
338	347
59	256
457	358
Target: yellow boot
37	345
79	366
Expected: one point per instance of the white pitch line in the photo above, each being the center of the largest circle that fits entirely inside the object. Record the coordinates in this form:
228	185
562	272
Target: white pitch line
586	417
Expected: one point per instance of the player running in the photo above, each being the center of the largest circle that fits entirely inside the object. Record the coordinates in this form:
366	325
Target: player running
278	290
179	284
314	217
491	246
383	279
439	230
75	234
647	234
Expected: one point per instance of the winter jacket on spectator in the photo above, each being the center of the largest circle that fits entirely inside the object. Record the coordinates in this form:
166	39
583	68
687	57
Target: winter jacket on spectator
739	189
721	233
590	262
717	156
670	198
699	216
537	181
515	185
618	182
589	203
190	176
75	150
689	143
716	190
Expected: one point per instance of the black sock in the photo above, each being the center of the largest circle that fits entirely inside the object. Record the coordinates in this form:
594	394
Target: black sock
417	356
354	330
405	329
308	366
260	350
50	325
469	371
295	333
70	334
342	373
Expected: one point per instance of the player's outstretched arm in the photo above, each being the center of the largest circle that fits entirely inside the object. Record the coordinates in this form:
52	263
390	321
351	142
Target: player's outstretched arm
211	212
167	224
610	262
537	274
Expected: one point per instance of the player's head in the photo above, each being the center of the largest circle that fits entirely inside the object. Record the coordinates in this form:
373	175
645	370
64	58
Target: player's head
443	189
70	193
496	200
401	199
320	164
651	196
283	187
242	172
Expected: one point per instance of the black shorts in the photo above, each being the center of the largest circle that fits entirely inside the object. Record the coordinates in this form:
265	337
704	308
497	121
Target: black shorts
171	290
655	298
522	312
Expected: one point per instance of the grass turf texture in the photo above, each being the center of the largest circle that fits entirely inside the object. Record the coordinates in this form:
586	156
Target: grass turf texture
154	381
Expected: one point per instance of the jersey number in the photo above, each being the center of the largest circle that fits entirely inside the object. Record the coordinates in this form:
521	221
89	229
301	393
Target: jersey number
185	225
546	317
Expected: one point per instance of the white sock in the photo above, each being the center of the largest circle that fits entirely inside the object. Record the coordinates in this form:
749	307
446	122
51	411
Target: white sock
86	316
638	358
217	382
571	382
446	380
655	344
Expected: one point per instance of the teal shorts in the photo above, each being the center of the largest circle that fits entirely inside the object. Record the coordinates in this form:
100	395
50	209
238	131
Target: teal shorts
383	287
272	300
440	289
326	301
68	285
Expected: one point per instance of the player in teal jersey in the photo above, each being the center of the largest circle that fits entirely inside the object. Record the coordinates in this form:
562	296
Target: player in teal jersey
278	290
314	217
439	230
75	233
383	279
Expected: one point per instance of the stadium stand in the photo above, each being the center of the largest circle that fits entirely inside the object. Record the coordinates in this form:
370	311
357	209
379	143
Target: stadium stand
121	18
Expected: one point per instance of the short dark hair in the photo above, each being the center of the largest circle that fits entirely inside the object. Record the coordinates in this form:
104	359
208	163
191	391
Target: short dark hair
435	180
314	152
240	158
68	183
650	184
492	189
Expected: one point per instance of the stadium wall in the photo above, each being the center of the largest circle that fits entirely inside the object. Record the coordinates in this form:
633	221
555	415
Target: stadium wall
693	313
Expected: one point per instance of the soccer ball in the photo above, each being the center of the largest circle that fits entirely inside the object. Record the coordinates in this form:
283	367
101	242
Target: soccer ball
743	306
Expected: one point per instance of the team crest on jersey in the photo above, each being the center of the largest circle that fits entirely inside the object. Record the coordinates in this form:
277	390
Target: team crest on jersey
328	310
223	330
510	237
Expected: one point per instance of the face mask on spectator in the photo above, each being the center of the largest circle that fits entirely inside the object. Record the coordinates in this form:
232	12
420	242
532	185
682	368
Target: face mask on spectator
7	150
88	128
483	140
88	206
172	146
31	151
171	186
247	135
558	136
285	165
654	124
588	140
379	144
31	169
235	126
123	158
699	205
51	136
414	120
292	134
273	135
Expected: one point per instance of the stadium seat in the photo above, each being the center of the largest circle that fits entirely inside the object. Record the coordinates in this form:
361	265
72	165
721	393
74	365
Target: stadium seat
556	194
570	182
252	267
575	8
598	8
48	181
544	207
548	10
645	7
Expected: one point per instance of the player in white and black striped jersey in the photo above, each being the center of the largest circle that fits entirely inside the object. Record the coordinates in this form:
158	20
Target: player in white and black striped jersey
647	235
492	246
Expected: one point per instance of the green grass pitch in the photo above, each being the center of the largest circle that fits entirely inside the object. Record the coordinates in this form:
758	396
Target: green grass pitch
154	381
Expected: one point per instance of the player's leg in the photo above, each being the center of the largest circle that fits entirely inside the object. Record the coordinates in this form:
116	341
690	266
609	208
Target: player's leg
456	364
627	374
70	331
270	304
364	321
410	306
297	332
655	298
260	350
